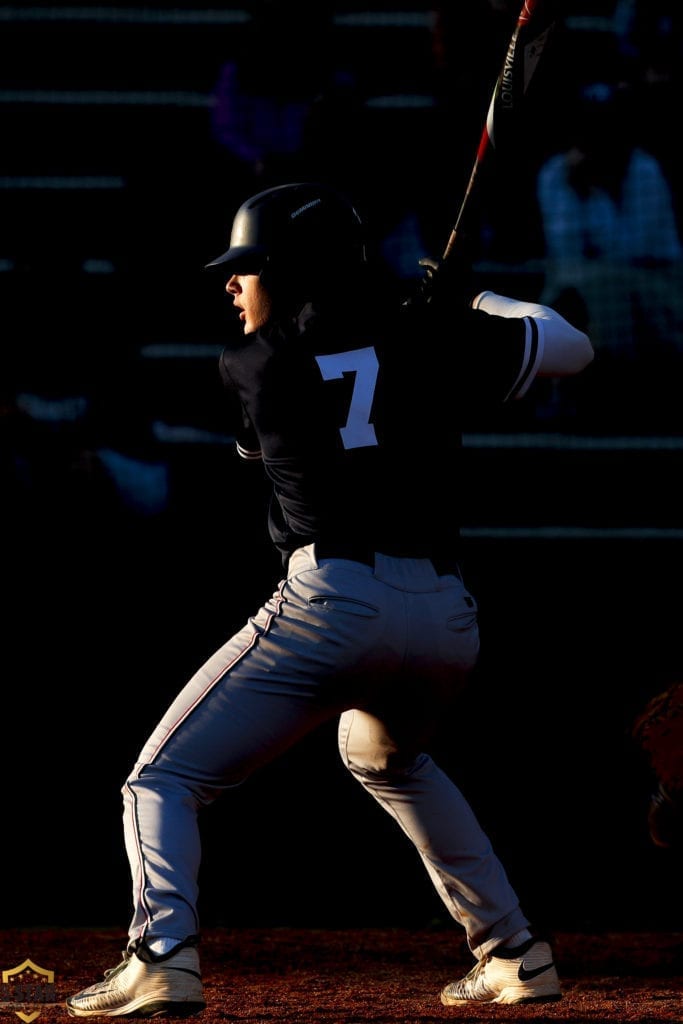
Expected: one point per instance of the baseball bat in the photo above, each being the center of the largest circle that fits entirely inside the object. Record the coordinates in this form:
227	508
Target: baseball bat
533	28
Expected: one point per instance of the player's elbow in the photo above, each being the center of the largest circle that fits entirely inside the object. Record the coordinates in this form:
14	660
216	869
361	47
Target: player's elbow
566	352
581	352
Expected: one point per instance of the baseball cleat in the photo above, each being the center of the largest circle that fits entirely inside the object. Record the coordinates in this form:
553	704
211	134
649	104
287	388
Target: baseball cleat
169	986
525	974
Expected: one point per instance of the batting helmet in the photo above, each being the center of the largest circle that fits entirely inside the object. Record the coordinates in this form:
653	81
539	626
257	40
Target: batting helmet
303	224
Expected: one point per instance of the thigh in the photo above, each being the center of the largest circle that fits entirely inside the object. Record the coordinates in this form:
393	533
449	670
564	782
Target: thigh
251	700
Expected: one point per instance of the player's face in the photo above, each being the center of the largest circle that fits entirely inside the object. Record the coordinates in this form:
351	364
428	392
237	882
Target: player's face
251	299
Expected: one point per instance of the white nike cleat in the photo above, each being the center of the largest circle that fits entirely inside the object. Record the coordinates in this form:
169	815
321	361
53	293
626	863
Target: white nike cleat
164	986
525	974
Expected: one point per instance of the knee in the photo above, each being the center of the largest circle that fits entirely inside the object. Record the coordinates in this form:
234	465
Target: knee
150	782
375	761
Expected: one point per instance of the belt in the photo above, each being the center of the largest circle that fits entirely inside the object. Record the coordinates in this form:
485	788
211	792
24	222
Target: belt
443	566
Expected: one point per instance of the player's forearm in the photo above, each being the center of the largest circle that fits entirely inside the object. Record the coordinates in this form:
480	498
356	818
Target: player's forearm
565	349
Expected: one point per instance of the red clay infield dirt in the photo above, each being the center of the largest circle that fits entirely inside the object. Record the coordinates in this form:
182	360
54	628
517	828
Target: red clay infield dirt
385	976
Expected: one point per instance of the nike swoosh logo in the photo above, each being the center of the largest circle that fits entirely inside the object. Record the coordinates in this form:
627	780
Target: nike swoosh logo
525	975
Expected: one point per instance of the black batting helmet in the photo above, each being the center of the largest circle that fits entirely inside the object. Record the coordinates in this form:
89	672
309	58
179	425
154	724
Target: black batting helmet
304	225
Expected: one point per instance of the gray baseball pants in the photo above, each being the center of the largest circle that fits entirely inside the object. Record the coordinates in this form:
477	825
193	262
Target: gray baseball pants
386	649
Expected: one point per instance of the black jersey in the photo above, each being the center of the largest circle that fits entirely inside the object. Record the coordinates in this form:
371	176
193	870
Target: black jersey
359	423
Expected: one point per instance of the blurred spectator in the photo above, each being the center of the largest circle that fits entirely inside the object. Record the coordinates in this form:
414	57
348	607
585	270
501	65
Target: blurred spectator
605	198
263	96
654	43
610	231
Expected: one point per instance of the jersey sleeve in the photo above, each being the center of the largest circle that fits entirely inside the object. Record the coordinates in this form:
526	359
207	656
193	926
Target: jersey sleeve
247	443
246	439
525	340
489	358
558	348
531	360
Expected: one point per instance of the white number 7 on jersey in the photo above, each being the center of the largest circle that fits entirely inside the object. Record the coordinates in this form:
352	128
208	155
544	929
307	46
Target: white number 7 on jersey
358	431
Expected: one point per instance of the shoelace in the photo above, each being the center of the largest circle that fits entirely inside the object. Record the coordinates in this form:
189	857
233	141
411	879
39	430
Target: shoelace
474	973
119	967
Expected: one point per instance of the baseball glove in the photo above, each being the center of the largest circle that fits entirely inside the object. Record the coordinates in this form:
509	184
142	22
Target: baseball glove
659	732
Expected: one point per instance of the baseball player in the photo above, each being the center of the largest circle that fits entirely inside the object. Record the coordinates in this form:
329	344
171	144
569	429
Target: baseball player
353	401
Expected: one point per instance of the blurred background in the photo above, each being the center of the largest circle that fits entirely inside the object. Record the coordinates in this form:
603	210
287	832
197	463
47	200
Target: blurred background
134	541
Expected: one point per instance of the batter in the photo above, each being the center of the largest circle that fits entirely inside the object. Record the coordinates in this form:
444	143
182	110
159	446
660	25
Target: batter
354	403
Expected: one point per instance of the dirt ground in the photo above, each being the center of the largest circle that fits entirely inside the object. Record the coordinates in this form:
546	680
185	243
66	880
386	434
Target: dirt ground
350	976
